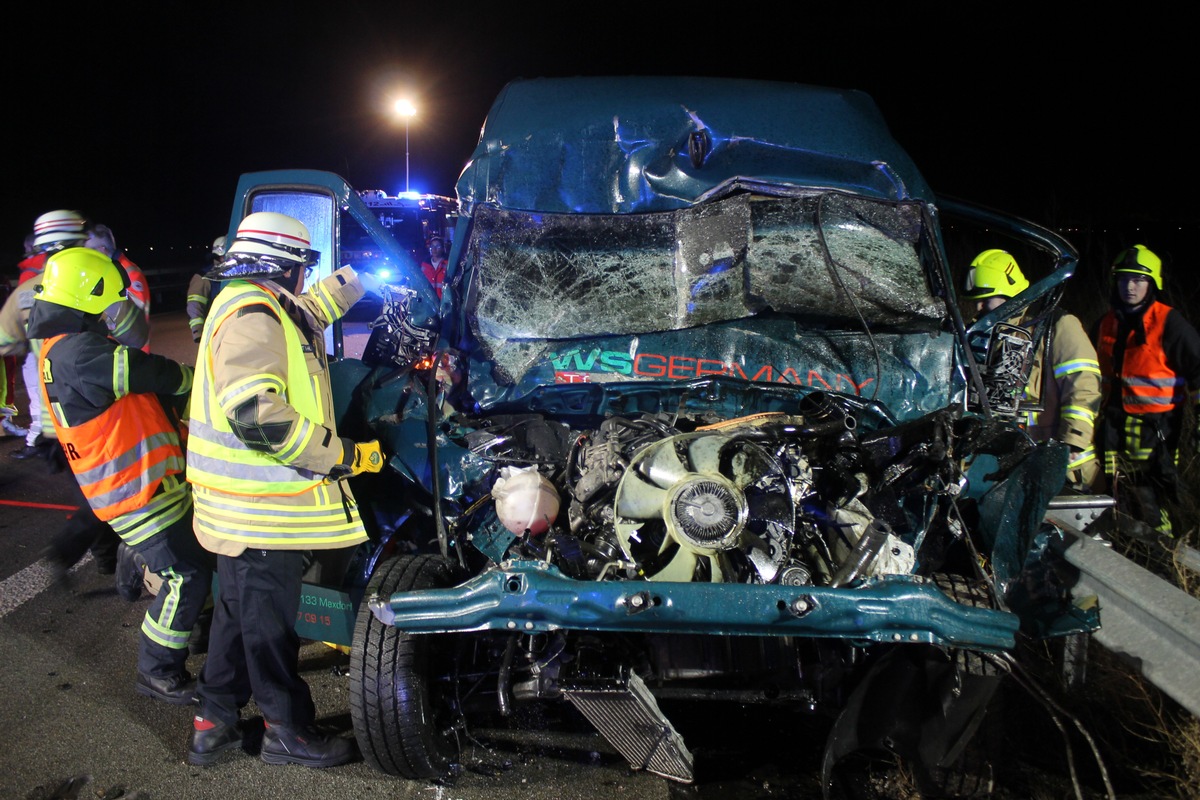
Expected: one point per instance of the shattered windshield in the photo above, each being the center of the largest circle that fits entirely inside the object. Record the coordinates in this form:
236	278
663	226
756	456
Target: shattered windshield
837	261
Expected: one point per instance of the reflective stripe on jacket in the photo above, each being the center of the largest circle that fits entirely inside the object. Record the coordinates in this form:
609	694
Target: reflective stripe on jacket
1147	383
120	457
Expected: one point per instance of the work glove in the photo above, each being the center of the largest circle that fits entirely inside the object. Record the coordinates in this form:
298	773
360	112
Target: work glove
1082	478
371	283
357	458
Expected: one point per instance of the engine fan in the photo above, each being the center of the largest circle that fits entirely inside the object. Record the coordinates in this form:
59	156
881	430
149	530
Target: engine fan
705	505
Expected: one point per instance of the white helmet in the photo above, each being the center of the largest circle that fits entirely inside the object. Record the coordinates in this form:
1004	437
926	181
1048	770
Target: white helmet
218	247
267	245
55	230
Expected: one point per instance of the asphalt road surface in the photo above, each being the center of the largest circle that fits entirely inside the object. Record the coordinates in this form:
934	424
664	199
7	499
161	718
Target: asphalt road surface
73	726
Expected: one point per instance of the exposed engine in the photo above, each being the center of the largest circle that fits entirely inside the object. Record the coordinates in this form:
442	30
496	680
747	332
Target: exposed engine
772	498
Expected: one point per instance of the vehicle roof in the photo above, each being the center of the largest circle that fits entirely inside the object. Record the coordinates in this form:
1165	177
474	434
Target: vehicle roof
636	144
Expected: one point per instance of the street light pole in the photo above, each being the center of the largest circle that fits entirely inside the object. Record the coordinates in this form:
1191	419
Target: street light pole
405	109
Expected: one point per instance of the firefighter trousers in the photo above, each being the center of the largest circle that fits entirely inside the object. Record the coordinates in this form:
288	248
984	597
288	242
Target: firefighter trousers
253	647
178	605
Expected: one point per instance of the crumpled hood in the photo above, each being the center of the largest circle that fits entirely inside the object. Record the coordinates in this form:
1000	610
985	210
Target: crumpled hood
676	141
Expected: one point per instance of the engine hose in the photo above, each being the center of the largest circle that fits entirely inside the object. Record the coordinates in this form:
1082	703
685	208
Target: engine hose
504	677
863	554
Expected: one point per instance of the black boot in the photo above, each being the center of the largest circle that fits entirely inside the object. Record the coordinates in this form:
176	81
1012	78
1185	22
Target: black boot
305	746
131	570
210	738
198	638
178	689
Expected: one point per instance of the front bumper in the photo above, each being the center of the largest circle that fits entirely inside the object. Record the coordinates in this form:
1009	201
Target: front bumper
534	597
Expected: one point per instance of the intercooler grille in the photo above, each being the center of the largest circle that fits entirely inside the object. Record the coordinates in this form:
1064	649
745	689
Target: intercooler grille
629	718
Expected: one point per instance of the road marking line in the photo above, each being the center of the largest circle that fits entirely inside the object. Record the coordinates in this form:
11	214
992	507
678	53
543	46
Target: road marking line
27	504
27	584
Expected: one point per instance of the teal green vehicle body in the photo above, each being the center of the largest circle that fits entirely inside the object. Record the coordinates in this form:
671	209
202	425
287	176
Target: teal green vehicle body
716	322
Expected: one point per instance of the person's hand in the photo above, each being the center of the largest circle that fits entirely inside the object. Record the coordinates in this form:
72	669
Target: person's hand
371	283
357	458
368	457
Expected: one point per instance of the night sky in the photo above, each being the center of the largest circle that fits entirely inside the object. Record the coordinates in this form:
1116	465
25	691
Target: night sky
144	119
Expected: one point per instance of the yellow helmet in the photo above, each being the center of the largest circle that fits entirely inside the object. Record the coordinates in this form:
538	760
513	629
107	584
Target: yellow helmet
994	273
1139	260
83	279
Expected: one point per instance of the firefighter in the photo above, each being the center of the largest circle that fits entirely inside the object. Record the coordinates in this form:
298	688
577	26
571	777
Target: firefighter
132	326
52	232
1069	391
199	291
116	413
1150	361
266	465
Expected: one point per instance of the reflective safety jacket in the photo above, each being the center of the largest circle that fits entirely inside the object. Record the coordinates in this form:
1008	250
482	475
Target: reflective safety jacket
1069	395
129	323
123	445
263	437
199	295
31	266
1146	360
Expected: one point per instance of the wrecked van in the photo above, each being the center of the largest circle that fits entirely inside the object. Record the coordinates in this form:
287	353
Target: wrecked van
698	417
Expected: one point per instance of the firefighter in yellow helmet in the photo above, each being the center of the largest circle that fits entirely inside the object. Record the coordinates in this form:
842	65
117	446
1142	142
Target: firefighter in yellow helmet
266	465
116	413
1068	388
1150	360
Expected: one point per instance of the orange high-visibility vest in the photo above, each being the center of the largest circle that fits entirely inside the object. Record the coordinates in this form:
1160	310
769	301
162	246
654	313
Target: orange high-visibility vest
1147	383
120	457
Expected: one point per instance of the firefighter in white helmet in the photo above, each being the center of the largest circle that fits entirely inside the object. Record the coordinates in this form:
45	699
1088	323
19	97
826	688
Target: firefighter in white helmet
1068	388
266	464
52	231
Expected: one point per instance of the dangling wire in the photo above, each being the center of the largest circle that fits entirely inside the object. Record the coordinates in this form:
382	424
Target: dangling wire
833	266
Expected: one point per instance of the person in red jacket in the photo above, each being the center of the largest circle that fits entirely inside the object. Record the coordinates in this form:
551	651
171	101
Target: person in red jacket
1150	372
435	267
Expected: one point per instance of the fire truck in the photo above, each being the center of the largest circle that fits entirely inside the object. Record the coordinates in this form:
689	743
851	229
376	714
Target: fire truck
412	219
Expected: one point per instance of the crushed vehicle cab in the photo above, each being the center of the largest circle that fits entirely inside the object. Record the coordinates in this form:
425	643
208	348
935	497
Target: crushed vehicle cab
698	417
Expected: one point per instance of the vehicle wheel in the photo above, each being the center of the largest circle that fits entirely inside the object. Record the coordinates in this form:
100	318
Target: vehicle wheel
921	722
405	716
971	774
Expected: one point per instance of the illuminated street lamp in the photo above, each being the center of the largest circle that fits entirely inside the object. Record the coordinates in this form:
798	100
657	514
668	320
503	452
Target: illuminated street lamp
405	109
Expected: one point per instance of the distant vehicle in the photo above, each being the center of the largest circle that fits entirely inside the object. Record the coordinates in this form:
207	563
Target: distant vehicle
412	220
698	417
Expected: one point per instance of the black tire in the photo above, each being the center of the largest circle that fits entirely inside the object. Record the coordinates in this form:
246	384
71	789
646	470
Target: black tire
972	774
405	718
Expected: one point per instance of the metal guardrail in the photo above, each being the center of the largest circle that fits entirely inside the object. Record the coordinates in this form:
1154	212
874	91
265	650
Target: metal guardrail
1142	617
